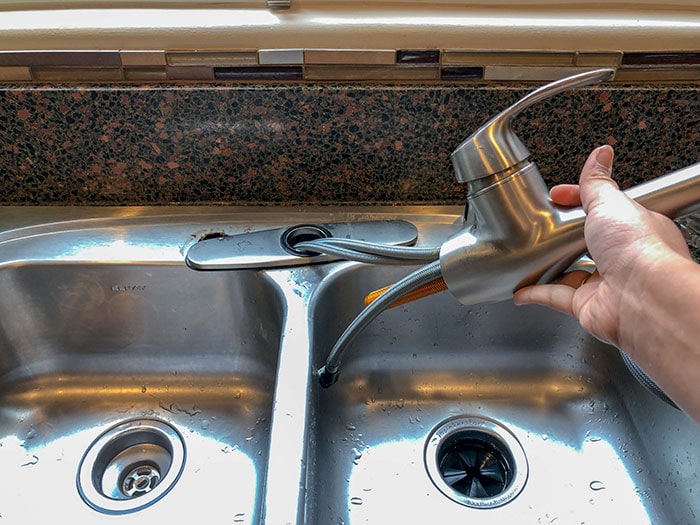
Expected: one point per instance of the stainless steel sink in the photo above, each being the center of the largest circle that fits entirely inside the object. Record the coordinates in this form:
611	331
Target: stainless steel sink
587	443
177	394
94	334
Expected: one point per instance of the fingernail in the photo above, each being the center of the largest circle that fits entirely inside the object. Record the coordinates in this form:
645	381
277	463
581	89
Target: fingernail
604	156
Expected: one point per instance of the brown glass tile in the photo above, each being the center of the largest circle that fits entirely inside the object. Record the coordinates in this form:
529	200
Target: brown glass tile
145	73
60	58
370	73
77	74
660	58
190	73
458	57
213	58
659	74
598	58
530	73
462	73
142	57
350	56
15	74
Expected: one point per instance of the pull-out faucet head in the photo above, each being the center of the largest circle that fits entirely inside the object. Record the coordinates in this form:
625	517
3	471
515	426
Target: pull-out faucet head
514	234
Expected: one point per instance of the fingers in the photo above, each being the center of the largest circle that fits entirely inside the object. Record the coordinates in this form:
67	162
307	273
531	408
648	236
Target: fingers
574	279
558	295
566	194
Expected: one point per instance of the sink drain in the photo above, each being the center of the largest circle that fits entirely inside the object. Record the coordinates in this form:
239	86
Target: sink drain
476	462
131	466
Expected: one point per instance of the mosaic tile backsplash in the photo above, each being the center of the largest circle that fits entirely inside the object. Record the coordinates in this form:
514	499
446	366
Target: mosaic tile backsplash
313	144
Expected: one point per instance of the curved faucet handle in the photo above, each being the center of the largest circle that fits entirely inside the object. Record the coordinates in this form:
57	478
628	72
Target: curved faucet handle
494	147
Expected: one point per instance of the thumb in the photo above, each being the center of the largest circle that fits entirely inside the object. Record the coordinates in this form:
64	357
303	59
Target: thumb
596	184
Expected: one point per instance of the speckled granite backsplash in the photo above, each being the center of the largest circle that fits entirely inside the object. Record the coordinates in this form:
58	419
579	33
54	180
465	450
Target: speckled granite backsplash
318	144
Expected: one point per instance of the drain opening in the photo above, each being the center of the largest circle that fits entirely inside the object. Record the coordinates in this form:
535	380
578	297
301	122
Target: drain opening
302	233
475	466
476	462
140	480
131	466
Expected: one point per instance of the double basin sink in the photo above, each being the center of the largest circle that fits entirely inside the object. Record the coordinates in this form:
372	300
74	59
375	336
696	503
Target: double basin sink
134	389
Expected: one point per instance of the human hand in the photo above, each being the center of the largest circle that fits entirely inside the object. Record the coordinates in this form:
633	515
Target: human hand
629	245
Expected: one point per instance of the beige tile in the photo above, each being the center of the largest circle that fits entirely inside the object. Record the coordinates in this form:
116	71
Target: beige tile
281	56
142	57
649	74
527	73
598	58
76	74
350	56
452	57
15	73
213	58
370	73
145	73
190	73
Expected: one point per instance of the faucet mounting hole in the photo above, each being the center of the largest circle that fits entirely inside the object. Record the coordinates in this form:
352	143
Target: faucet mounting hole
302	233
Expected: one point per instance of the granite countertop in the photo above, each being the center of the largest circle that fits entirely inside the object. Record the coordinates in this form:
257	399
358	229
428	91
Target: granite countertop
313	144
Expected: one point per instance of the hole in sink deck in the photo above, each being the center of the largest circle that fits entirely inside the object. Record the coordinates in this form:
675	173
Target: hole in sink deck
85	348
302	233
574	413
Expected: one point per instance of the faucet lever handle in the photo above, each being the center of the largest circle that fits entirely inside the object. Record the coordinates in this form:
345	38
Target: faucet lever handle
494	147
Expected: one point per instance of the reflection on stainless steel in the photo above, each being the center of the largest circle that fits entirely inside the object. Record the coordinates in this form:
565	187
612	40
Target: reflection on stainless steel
93	339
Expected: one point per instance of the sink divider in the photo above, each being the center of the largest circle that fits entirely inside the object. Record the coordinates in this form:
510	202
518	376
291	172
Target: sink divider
283	500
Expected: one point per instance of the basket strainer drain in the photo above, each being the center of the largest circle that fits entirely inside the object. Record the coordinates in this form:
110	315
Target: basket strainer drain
476	462
131	466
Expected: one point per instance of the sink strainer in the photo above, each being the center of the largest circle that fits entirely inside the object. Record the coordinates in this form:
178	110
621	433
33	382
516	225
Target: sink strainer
131	466
476	462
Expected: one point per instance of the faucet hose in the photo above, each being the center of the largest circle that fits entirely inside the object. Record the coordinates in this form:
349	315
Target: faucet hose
328	374
433	287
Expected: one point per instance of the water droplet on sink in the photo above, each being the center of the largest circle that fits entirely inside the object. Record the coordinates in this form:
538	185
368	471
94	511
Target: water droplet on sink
350	427
596	485
356	456
356	501
31	460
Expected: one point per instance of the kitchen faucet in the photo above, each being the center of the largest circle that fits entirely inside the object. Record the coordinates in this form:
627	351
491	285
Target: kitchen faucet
513	234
